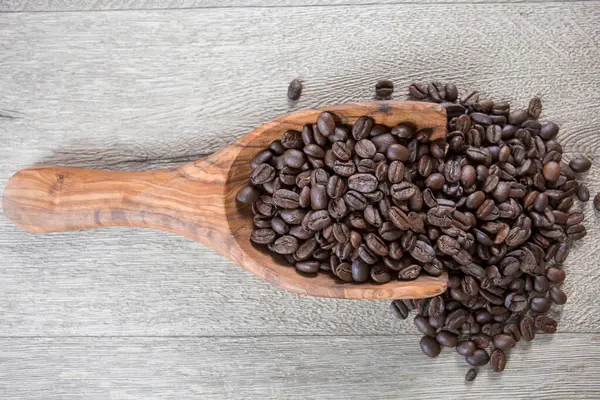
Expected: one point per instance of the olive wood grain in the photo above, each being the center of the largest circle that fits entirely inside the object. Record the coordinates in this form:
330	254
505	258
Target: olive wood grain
198	200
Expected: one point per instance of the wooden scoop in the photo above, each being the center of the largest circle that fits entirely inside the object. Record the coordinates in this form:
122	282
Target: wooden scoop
198	200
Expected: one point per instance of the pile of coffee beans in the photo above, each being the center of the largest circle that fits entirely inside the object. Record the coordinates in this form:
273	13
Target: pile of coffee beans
351	200
492	205
505	264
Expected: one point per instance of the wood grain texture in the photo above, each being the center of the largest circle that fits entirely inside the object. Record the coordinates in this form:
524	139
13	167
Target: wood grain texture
117	89
96	5
152	90
560	366
198	200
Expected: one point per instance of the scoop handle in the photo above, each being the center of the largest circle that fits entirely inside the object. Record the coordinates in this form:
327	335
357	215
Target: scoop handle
188	200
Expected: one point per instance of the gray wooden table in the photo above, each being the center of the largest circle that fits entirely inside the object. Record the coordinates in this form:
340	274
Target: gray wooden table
141	84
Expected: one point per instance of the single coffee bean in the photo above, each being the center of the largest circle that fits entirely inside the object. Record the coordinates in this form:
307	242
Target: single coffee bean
380	274
418	91
263	236
430	346
583	194
549	131
397	152
294	89
308	267
471	375
326	123
435	181
384	89
344	272
597	202
551	171
466	347
503	341
423	325
535	107
545	324
409	272
364	183
517	117
279	226
399	309
360	271
285	245
580	164
540	305
558	296
478	358
446	339
362	128
498	360
248	194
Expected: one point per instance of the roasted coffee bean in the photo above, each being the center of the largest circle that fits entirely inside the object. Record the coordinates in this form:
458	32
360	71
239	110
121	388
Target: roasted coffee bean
422	252
409	272
326	123
364	183
376	244
558	296
503	341
435	181
436	306
294	89
451	92
279	226
418	91
248	194
308	267
555	275
545	324
580	164
362	128
471	375
481	118
583	194
384	89
548	131
540	305
404	131
535	107
397	152
399	309
446	339
424	326
597	202
360	271
263	236
478	358
430	346
403	191
344	272
380	274
516	302
285	245
437	91
466	347
498	360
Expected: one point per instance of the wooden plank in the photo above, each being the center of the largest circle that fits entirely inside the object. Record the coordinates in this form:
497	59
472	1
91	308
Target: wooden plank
86	5
562	366
153	85
146	89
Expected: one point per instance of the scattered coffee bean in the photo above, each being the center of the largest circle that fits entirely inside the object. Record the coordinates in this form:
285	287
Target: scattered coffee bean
498	360
294	90
471	375
384	89
430	346
597	201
